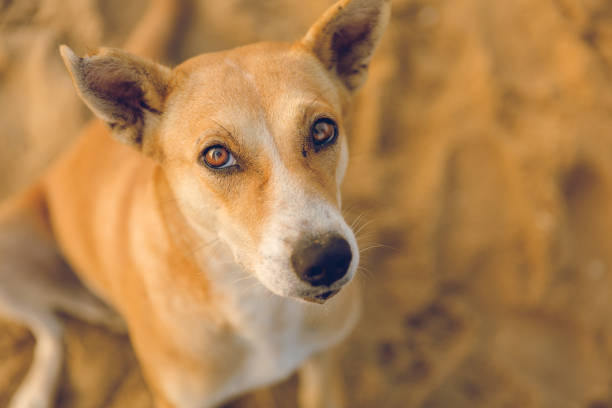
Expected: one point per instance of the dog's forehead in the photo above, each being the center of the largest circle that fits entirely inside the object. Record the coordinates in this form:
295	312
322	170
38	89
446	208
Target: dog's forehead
264	84
262	65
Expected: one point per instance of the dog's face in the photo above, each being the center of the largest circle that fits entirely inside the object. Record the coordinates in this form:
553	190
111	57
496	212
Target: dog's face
260	161
252	142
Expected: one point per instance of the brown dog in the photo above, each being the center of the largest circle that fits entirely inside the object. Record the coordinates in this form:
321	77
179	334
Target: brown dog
216	235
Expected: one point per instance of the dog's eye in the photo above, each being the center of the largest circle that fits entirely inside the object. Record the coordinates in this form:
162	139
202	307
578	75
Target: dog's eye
323	131
218	157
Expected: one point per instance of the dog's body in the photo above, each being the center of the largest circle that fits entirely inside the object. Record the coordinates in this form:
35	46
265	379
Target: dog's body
188	250
202	312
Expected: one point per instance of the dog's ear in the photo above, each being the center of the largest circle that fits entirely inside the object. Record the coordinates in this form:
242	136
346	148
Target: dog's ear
126	91
345	37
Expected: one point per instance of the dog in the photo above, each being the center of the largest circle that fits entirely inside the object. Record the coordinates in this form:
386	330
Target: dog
214	230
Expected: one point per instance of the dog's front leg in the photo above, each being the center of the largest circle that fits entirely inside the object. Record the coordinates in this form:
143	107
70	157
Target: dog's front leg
321	384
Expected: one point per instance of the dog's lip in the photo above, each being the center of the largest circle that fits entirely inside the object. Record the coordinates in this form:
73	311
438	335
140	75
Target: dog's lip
322	297
328	294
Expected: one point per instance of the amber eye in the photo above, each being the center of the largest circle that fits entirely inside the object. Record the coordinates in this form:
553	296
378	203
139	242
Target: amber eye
323	131
218	157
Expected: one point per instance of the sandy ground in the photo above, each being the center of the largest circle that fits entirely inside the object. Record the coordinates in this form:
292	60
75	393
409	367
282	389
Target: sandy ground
481	158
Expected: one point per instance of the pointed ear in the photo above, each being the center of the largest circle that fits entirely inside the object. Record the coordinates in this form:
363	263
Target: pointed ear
126	91
345	37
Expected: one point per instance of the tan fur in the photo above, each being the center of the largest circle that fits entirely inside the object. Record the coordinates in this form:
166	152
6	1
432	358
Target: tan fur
188	255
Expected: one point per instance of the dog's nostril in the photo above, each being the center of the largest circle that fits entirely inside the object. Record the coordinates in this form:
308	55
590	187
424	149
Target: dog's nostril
322	260
314	273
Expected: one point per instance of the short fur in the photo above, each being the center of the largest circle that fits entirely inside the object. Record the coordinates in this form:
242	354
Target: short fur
196	261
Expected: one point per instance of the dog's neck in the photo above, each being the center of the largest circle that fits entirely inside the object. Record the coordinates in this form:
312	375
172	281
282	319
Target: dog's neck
238	298
222	279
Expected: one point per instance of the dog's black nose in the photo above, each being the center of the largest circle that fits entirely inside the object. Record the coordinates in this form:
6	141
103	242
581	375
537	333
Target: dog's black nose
322	260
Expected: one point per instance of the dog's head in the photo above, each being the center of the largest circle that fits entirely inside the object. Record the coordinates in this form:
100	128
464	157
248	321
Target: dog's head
252	141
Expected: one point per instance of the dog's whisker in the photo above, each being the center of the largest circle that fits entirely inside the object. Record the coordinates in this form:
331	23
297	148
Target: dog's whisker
206	245
346	212
365	272
250	287
242	279
379	245
355	222
191	253
365	240
362	250
363	226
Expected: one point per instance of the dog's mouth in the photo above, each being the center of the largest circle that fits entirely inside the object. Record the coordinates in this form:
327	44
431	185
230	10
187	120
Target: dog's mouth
321	297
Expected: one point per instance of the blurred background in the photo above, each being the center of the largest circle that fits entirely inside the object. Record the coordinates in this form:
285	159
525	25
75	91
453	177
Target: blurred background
480	179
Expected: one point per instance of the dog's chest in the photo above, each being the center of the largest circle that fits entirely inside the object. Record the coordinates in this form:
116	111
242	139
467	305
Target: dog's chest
281	333
266	339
